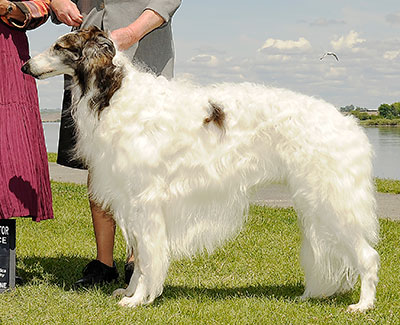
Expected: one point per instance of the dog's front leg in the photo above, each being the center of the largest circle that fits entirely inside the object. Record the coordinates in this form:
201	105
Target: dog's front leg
151	260
133	284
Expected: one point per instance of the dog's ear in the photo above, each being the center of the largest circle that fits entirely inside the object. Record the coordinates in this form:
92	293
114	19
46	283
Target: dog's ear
94	29
98	45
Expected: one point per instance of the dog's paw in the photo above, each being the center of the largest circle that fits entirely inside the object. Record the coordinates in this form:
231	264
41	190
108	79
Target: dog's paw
130	302
119	292
360	307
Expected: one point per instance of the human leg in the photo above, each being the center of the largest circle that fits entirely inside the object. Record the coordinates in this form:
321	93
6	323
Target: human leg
104	231
103	268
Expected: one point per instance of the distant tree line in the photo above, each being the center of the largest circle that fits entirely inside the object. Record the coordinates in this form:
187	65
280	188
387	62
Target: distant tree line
352	108
382	116
390	111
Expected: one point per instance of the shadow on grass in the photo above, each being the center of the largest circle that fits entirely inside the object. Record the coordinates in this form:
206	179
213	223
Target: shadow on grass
259	291
63	271
291	292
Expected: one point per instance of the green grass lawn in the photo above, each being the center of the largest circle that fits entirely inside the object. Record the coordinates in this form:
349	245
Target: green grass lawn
253	279
387	185
52	157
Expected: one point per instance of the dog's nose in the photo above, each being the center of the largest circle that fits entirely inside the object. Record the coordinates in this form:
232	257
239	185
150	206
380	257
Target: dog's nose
25	68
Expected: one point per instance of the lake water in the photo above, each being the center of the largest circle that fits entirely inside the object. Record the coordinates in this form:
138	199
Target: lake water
386	144
51	130
385	140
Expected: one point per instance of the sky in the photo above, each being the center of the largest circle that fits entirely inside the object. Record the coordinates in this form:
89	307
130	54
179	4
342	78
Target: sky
278	44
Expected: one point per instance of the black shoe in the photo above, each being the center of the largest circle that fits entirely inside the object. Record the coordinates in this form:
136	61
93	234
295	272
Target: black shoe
97	272
129	267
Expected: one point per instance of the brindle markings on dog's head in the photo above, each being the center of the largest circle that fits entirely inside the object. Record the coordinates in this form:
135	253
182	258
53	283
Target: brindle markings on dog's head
217	116
90	53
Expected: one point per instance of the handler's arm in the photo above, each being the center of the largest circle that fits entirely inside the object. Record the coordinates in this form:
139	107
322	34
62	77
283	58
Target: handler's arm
156	13
127	36
24	14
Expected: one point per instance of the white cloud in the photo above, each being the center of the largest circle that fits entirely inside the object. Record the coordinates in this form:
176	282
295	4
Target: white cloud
205	59
336	72
348	42
391	55
185	76
301	44
278	58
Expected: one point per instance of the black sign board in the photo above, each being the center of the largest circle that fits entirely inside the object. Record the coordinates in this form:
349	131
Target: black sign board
7	254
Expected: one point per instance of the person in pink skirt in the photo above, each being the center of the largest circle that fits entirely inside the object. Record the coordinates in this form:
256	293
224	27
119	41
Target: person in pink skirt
24	175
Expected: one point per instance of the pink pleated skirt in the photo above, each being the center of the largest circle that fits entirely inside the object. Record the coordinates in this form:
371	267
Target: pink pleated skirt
24	175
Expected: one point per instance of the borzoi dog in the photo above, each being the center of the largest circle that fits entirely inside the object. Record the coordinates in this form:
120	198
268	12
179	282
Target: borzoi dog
175	164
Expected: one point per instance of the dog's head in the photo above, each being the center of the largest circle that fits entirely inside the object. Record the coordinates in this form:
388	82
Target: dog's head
74	54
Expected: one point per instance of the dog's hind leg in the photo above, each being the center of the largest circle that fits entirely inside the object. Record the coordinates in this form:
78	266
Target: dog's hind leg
368	264
151	260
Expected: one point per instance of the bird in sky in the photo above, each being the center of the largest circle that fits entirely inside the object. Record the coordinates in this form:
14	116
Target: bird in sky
330	53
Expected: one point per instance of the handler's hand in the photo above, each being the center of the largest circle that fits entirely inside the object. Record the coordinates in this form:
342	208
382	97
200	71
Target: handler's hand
67	12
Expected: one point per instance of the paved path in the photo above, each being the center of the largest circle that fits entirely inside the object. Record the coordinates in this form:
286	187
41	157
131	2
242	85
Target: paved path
274	195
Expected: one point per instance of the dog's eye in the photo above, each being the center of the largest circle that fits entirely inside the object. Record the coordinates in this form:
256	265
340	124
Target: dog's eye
66	50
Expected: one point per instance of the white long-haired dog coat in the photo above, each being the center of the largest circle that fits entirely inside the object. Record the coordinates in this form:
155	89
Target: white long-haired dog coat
175	164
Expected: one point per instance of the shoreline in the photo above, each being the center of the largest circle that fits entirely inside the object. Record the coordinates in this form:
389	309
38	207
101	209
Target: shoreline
54	116
58	119
380	125
50	115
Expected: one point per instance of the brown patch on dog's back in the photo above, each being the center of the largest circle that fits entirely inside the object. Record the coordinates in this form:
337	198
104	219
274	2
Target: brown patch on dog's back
217	116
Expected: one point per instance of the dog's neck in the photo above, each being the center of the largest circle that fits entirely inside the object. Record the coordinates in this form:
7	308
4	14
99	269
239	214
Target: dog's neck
97	82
